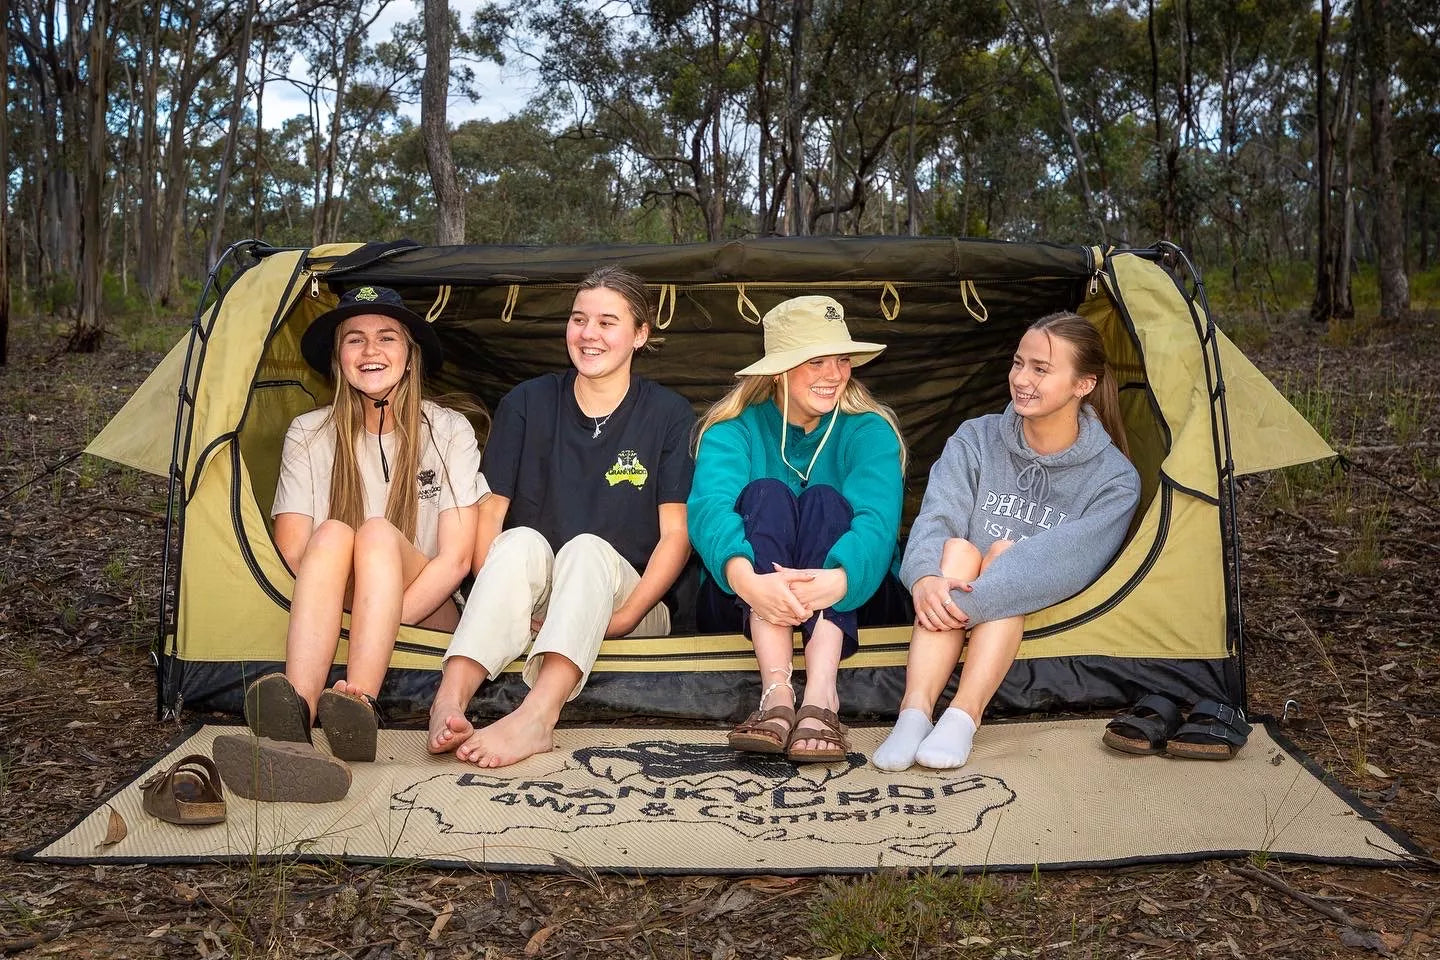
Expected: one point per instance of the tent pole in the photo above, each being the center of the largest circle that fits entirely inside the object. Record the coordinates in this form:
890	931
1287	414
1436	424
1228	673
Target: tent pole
174	524
1225	464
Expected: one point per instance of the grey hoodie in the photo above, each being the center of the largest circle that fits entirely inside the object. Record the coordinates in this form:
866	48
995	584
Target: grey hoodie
1068	513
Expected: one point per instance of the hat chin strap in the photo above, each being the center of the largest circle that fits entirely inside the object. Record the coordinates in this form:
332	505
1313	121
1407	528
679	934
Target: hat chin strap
784	429
380	405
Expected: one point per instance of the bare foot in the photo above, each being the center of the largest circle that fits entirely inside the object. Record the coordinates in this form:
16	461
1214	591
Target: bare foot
448	728
349	689
512	738
829	703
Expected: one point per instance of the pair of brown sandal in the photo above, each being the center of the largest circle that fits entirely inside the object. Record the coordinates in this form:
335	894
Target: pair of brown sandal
782	729
275	710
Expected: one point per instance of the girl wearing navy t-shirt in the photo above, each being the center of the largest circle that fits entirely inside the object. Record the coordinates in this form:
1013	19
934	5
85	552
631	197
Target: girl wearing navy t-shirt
584	532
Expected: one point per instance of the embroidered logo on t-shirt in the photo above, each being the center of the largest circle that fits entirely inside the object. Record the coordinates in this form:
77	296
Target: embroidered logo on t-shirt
429	488
628	469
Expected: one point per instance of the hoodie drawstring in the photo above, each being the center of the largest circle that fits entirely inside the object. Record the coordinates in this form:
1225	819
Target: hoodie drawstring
1034	481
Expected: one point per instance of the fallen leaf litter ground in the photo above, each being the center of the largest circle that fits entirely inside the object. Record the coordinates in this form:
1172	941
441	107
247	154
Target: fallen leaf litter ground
1339	589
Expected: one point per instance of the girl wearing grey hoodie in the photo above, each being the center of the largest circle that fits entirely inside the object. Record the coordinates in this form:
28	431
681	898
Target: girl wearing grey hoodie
1023	509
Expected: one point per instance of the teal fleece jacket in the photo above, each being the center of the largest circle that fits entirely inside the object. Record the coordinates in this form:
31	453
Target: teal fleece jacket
861	460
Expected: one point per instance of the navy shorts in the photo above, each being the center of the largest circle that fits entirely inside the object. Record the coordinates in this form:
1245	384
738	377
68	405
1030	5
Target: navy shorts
798	532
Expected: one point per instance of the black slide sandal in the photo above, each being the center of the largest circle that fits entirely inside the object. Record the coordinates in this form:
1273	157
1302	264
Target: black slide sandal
1144	729
1212	731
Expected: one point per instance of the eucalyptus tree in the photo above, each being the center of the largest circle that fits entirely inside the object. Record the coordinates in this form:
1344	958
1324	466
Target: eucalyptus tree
664	80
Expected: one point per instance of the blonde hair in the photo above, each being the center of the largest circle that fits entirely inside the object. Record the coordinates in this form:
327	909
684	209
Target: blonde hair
855	398
1090	361
347	414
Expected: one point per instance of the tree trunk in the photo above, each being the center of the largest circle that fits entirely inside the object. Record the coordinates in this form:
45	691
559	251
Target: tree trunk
794	119
435	130
1043	46
257	162
90	320
147	181
1323	306
764	224
232	137
1342	304
912	187
4	185
1389	242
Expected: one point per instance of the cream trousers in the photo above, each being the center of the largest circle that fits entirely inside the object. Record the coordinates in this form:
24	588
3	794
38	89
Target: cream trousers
573	592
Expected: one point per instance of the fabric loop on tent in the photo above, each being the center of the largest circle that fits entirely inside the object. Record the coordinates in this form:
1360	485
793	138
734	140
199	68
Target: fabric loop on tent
667	299
748	311
442	299
889	302
977	309
511	297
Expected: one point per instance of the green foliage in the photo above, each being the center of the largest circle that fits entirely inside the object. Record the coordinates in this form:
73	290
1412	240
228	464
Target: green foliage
1291	485
1366	553
888	914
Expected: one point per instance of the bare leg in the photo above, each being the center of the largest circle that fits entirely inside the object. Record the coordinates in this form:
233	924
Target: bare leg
449	727
822	662
314	631
932	659
385	562
934	653
529	729
775	654
993	646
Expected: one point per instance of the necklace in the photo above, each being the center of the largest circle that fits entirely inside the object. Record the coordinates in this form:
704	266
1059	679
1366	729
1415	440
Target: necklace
600	422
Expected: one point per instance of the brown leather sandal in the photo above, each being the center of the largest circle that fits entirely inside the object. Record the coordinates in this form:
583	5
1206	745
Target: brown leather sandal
765	731
826	728
189	793
258	768
350	723
274	709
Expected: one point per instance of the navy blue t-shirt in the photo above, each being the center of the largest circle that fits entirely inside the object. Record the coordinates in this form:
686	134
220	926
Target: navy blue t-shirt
563	480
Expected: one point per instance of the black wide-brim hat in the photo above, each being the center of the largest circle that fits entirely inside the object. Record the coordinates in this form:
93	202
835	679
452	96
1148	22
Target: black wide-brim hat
317	343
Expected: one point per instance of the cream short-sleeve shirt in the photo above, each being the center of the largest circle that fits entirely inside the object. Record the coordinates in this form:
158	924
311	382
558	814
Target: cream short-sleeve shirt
449	474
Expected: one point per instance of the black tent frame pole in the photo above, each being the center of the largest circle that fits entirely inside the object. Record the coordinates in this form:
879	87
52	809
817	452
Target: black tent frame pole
1224	464
174	501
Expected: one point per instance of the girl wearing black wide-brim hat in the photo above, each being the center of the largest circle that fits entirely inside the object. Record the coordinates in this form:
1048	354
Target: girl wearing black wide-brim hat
374	512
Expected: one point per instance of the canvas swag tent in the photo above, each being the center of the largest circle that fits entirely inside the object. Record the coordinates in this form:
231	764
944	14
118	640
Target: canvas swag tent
1163	616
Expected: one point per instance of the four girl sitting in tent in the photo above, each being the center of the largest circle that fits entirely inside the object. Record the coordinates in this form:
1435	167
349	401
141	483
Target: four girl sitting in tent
581	514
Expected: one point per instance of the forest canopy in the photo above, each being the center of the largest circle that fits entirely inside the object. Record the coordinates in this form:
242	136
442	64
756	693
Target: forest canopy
139	139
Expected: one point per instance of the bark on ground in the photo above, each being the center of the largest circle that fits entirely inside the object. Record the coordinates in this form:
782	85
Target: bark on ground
1339	601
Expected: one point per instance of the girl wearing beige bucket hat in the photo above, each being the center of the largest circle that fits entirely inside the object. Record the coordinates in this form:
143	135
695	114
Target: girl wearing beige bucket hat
374	512
795	512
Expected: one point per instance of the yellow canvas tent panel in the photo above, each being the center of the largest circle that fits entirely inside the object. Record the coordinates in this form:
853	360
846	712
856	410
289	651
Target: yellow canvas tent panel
1163	616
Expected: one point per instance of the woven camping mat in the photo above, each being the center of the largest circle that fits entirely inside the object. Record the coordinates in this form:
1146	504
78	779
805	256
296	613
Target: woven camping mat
658	800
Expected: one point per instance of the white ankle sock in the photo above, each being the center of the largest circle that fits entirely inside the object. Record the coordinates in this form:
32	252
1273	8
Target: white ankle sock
948	745
898	751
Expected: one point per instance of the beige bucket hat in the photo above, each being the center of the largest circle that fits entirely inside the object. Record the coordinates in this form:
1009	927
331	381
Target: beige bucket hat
803	328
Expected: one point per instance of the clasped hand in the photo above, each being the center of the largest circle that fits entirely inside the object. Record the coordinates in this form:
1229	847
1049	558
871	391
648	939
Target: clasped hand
935	609
789	597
